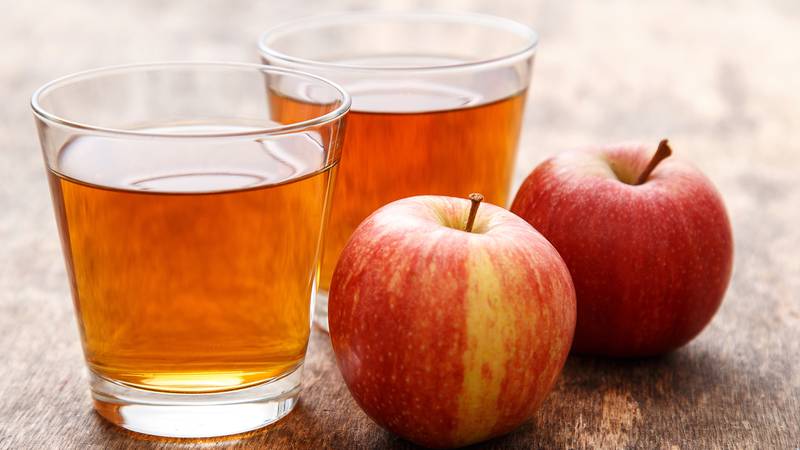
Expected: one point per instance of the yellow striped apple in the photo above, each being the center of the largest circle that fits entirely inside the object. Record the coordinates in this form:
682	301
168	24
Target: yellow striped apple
647	241
450	322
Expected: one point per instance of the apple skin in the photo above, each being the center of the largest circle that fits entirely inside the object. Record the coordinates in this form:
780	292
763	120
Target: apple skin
650	262
447	337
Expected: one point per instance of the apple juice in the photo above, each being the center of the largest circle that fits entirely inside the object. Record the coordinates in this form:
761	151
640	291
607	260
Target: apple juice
192	265
411	142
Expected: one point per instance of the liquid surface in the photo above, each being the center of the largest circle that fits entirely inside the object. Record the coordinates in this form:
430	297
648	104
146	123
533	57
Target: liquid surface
192	268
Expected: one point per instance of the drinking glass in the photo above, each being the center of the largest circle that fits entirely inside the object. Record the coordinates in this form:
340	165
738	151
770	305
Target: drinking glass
437	106
190	217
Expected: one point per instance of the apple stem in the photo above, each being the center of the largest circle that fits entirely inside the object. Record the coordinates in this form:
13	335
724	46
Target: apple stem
476	200
662	153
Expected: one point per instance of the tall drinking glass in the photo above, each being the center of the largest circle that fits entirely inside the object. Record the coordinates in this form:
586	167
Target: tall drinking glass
191	217
437	107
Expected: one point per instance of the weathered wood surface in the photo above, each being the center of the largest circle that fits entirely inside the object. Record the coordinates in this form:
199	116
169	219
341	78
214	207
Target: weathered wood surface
719	78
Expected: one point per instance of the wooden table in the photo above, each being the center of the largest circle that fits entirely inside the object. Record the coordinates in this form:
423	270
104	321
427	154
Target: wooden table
720	79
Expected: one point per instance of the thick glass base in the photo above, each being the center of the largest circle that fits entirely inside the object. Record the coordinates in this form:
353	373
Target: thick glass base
321	310
196	415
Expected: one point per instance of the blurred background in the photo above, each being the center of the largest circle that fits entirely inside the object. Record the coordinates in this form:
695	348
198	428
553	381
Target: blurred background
720	79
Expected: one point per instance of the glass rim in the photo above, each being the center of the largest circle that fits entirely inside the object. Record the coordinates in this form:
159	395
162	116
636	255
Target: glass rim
487	20
47	116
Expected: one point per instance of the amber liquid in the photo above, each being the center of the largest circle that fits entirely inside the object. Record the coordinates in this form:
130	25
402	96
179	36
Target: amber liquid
191	276
411	143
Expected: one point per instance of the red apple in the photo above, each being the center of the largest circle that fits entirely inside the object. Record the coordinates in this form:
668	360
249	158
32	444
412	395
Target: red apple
444	336
648	244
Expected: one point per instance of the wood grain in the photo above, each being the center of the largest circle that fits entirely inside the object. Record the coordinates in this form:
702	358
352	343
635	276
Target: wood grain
719	78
